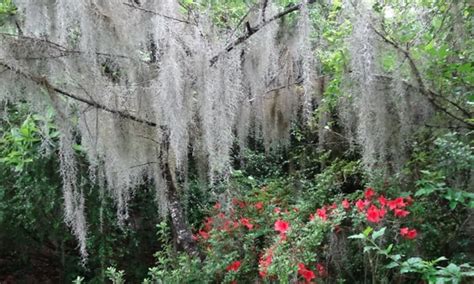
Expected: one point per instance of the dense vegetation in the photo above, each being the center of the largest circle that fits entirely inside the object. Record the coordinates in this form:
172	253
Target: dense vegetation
204	141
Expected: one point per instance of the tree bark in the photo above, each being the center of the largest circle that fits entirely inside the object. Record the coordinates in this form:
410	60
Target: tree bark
184	236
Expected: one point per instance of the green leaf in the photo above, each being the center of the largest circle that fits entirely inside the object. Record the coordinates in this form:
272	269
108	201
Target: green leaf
378	234
358	236
367	231
391	265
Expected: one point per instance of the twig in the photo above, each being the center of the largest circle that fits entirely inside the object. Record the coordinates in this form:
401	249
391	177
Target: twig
157	14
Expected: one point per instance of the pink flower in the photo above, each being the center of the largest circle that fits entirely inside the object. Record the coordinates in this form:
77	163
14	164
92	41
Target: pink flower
277	210
259	205
234	266
346	204
369	192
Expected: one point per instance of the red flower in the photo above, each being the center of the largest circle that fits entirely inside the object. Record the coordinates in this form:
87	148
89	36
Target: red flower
235	201
322	214
277	210
407	233
234	266
374	214
217	206
360	205
397	203
203	234
321	270
245	222
259	205
306	273
281	226
383	201
333	206
400	212
208	224
346	204
311	217
369	192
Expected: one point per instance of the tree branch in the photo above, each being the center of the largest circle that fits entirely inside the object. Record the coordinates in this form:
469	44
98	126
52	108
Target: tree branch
430	95
41	81
256	28
58	47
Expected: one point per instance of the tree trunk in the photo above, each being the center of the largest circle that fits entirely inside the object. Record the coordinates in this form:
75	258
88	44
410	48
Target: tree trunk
179	221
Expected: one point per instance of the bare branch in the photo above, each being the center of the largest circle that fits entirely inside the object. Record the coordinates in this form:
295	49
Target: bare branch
41	81
156	13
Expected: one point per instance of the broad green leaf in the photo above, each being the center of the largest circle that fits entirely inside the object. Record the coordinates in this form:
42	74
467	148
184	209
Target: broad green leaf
378	234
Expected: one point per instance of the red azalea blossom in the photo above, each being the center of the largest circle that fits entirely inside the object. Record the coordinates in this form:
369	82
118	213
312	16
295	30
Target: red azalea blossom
217	206
321	270
240	203
203	234
306	273
236	224
374	214
369	192
322	214
396	203
277	210
333	206
400	212
281	226
346	204
264	262
407	233
245	222
208	224
383	201
360	205
311	217
234	266
259	205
